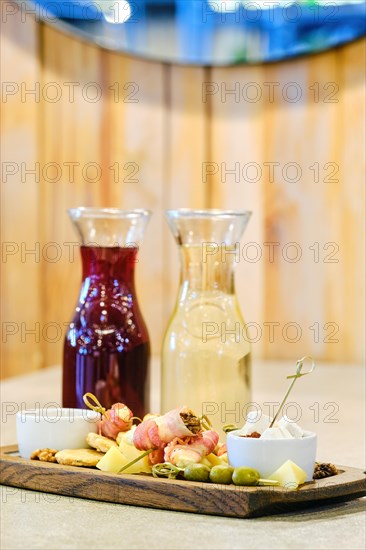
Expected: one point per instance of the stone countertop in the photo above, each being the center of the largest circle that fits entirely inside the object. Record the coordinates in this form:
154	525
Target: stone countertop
331	402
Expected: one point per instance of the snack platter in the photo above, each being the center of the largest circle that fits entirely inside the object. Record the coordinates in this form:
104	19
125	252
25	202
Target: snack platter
176	494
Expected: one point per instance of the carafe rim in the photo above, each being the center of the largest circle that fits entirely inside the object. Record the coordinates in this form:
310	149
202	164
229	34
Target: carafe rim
207	213
100	212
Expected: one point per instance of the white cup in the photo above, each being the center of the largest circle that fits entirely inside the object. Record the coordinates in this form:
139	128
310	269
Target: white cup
55	428
267	455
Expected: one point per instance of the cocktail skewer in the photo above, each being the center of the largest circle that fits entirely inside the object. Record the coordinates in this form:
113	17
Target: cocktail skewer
298	374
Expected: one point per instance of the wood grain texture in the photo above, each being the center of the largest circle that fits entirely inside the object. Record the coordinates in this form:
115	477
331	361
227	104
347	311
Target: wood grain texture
293	199
148	136
21	291
179	495
350	283
236	153
133	139
308	285
186	147
71	149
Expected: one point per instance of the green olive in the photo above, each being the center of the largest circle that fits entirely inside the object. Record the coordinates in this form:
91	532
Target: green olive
196	472
221	474
245	476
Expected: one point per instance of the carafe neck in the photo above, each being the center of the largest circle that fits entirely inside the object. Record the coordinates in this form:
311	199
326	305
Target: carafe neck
104	264
207	269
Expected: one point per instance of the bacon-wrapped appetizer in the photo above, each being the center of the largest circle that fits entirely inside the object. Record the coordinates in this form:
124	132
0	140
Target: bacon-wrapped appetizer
115	420
182	452
118	418
156	433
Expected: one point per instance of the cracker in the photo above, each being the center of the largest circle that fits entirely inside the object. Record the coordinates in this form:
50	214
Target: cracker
79	457
99	442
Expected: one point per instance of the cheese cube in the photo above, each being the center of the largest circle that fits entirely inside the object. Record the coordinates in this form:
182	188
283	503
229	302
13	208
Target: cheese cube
289	475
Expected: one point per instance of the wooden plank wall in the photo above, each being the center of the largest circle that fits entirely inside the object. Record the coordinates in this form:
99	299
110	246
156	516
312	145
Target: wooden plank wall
297	151
21	272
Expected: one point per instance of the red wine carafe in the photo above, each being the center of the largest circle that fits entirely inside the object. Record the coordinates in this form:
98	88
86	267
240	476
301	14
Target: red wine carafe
107	347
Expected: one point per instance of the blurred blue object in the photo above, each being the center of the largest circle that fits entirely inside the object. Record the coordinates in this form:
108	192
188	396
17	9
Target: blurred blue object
311	28
209	32
69	9
92	10
283	31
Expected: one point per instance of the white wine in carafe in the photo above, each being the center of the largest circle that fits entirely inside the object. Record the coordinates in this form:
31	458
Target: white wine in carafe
206	359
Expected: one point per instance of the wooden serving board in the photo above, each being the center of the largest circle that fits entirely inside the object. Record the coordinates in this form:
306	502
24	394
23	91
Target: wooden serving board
184	496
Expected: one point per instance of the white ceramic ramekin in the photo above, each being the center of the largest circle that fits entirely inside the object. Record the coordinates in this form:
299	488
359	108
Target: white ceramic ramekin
266	455
55	428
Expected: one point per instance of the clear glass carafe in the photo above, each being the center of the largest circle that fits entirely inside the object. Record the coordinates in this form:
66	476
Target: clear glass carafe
206	356
107	349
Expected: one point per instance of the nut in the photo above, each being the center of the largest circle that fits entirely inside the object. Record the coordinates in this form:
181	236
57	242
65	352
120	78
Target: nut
45	455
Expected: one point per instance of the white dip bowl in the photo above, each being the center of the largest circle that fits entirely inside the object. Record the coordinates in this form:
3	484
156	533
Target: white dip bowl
55	428
266	455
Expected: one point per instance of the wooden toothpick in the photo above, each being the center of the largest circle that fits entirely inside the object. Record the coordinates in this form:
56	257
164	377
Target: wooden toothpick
298	374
